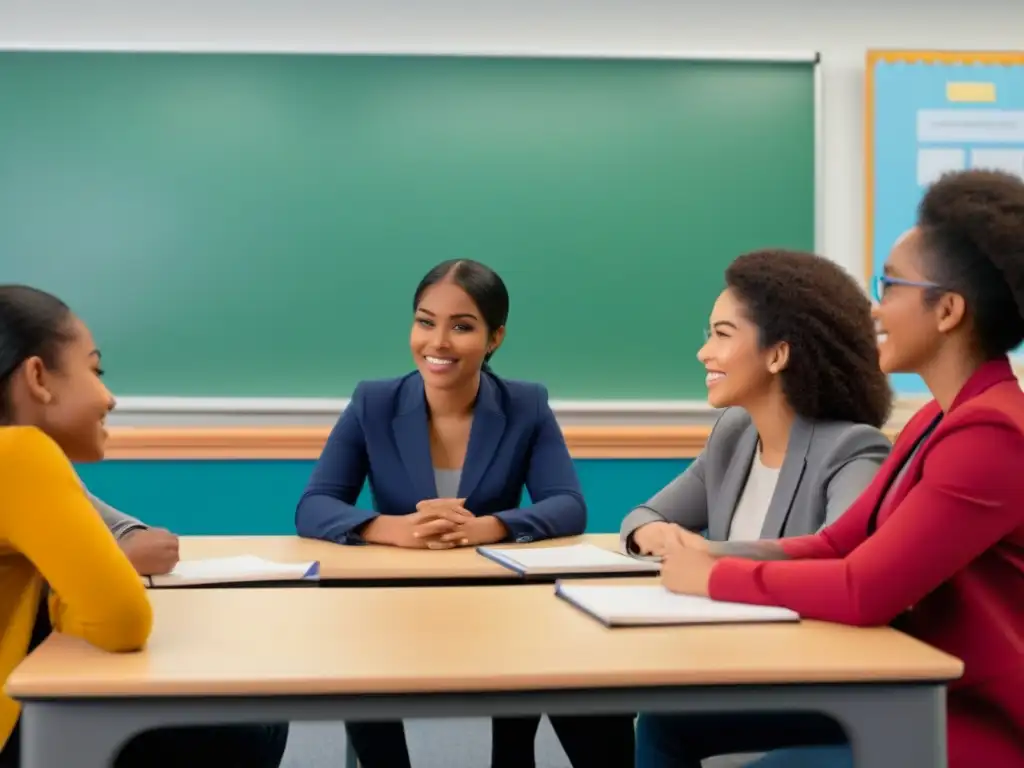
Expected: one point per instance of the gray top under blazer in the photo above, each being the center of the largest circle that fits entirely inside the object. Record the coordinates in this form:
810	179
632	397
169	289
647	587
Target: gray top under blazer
827	466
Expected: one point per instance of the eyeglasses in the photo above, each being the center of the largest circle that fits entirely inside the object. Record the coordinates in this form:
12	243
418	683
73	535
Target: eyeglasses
880	284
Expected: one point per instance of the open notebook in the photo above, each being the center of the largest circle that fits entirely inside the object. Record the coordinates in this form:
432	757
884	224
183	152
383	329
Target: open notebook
639	606
572	559
234	570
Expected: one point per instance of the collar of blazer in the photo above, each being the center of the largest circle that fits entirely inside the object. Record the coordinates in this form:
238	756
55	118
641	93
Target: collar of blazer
785	490
412	435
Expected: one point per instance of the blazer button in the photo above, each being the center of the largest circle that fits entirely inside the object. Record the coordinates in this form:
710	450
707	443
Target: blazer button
524	539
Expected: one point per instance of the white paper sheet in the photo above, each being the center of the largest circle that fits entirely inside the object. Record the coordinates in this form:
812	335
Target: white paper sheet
232	569
638	605
575	558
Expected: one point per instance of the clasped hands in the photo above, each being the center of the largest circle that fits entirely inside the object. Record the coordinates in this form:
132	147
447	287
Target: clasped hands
686	561
445	524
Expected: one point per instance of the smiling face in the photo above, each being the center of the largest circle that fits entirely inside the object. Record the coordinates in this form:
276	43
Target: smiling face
449	339
738	370
911	329
69	401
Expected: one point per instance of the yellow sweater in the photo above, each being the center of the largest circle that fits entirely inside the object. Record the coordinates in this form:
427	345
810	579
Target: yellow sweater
50	532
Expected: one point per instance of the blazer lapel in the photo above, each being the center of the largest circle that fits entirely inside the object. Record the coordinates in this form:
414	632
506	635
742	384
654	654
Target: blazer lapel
903	456
792	472
484	436
734	480
412	437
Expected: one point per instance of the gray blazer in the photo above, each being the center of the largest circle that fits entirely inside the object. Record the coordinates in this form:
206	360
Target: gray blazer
827	465
117	521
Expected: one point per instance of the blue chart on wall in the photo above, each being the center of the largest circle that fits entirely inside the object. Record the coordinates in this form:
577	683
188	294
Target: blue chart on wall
929	113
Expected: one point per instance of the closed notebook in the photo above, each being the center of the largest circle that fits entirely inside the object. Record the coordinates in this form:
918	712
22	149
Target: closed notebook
234	570
639	606
572	559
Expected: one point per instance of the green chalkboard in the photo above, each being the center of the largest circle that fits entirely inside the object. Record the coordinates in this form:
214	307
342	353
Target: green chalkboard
255	224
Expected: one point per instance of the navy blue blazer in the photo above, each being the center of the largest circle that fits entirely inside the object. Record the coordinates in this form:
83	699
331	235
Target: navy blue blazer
383	436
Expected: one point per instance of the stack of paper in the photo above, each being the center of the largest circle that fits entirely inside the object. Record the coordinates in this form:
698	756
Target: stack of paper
637	606
573	559
234	570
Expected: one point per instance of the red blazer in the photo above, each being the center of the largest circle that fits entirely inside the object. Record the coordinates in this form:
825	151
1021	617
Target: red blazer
943	560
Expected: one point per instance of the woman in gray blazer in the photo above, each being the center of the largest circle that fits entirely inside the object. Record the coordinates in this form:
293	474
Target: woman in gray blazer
791	356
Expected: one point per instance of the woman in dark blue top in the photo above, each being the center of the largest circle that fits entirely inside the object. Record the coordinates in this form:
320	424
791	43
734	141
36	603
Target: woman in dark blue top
447	451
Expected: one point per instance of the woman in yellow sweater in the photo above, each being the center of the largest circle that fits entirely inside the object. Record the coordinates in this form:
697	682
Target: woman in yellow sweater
60	568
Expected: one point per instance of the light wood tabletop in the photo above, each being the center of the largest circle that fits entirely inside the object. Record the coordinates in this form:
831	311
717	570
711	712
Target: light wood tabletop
372	562
287	642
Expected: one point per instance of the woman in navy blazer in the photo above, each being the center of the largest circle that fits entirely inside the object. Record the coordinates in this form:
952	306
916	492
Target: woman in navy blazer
384	436
447	451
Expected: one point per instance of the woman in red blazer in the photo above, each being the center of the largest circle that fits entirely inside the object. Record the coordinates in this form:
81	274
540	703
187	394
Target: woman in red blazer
935	545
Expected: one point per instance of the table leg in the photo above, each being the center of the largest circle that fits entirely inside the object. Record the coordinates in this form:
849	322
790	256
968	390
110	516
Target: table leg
889	725
895	726
53	734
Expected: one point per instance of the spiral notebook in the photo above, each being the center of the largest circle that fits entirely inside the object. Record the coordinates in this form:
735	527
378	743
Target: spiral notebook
234	570
643	605
571	559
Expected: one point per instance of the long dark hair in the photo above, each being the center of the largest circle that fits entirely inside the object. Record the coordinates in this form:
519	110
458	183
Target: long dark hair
33	323
484	286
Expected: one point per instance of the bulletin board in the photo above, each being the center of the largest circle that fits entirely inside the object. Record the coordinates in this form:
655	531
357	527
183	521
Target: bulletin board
926	113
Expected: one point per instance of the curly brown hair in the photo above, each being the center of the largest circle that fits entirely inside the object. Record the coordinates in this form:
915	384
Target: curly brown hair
813	305
972	224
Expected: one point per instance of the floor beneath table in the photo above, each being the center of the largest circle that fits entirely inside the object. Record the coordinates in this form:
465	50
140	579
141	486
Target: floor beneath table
434	744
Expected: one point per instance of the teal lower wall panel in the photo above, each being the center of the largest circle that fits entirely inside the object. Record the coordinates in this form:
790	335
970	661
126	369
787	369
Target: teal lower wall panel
258	497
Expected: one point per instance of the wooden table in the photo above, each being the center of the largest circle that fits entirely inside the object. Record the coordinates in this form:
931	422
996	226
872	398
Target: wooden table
373	565
269	655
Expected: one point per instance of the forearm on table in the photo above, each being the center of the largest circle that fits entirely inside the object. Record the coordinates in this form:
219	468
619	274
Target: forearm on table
380	529
748	550
120	524
320	516
634	521
493	529
551	517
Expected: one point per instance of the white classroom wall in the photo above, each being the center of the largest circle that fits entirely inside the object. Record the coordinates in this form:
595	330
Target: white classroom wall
839	29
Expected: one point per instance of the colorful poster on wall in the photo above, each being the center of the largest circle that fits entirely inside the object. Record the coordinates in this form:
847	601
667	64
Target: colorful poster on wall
929	112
